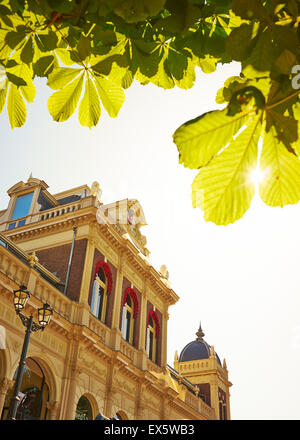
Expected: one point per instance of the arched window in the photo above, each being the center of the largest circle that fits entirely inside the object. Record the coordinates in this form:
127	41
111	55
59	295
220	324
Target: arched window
153	331
34	394
120	415
84	409
101	289
129	313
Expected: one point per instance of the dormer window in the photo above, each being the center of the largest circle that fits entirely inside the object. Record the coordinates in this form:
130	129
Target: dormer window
22	206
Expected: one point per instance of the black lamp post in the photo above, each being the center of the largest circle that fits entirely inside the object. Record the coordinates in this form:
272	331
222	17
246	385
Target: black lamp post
21	296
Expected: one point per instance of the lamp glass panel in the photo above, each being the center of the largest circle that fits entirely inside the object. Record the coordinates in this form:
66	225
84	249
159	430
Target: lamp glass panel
20	299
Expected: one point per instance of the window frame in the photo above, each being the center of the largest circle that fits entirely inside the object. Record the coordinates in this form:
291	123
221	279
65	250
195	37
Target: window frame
151	332
128	309
102	297
18	197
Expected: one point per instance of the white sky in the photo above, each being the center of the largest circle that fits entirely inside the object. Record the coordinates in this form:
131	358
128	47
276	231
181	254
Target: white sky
242	281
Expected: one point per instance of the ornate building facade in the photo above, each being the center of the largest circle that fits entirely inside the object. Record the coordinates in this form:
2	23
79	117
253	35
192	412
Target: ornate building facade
105	349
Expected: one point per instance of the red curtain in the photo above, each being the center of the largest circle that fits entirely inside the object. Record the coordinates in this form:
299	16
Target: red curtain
107	272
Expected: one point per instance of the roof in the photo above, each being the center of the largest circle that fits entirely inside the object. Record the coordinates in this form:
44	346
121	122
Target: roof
196	350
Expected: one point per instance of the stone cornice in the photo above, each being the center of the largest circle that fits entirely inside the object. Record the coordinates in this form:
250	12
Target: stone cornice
111	232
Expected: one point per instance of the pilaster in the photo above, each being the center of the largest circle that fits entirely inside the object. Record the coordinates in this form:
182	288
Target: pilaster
118	294
53	408
109	392
87	271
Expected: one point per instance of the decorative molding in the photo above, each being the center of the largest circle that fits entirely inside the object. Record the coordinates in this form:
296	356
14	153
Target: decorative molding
5	385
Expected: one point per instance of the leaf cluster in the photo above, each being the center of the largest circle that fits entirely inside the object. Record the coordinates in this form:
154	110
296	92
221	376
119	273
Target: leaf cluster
91	51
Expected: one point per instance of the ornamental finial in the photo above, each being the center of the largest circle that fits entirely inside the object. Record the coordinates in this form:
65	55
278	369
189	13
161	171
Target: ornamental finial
200	334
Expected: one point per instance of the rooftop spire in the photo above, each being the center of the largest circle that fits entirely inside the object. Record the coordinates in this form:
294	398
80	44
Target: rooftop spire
200	334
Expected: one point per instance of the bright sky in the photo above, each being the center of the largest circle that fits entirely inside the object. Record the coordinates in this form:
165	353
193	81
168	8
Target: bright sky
241	281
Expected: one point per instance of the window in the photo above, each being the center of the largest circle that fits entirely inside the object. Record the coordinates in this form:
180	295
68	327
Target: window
84	409
2	243
22	222
151	340
22	206
128	320
129	313
102	287
153	330
34	394
222	405
99	297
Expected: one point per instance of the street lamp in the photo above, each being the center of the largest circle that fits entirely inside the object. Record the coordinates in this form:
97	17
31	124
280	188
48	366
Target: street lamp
21	296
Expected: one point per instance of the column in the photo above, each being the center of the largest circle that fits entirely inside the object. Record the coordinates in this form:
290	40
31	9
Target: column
214	394
71	403
228	404
109	393
143	323
138	403
70	379
165	317
52	408
118	294
87	272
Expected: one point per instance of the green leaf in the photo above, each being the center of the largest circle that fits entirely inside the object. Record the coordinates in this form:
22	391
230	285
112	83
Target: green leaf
281	169
28	92
65	56
133	11
46	41
241	41
112	96
262	57
44	65
62	104
27	52
61	76
61	6
13	39
249	10
286	129
200	139
19	74
84	48
15	107
286	61
89	108
223	189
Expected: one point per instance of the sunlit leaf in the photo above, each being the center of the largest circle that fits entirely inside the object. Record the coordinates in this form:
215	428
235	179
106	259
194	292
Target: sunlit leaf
112	96
16	107
62	76
281	170
62	104
200	139
3	93
224	189
89	108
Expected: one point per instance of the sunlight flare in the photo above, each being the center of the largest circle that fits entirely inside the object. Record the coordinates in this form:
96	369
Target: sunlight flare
257	176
